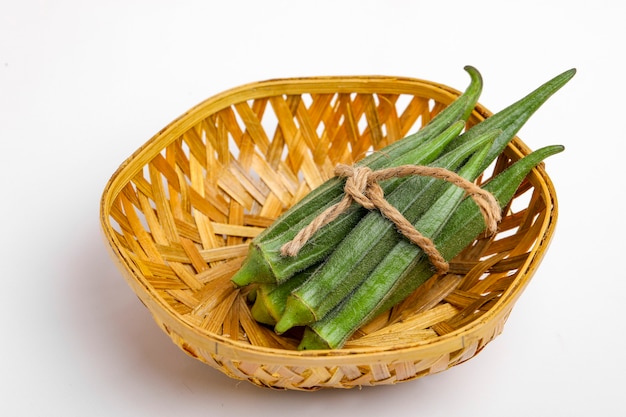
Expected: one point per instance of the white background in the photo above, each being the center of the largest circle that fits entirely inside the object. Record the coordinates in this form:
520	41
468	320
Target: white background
84	84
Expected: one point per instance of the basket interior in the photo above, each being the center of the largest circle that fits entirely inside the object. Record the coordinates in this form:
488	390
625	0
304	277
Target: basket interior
181	212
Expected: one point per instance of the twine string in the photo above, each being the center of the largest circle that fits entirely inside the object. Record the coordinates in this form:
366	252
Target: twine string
362	187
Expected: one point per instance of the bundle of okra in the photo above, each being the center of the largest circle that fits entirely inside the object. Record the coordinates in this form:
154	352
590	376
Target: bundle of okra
358	265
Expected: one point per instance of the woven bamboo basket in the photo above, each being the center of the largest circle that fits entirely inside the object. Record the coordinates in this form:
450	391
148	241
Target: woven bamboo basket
178	216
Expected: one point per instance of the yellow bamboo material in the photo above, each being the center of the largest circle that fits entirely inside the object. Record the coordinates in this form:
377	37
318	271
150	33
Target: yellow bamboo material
178	216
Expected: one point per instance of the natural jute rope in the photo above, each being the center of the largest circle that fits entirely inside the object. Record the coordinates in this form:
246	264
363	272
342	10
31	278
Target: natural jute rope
362	187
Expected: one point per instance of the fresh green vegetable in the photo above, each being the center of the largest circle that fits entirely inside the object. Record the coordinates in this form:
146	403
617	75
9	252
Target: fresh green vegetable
264	250
271	299
374	236
406	267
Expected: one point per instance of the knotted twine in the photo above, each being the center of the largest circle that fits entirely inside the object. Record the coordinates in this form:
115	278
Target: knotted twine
362	187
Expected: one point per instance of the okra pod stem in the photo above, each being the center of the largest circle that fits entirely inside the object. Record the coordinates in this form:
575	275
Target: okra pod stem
269	304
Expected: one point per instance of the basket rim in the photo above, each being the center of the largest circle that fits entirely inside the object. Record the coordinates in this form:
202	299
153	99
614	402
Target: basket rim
237	350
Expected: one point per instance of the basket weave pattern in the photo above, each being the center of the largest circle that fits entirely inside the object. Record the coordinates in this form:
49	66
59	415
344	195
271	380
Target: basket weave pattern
179	214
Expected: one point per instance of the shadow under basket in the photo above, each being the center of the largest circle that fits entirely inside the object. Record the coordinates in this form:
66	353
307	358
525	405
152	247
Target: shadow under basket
179	214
